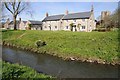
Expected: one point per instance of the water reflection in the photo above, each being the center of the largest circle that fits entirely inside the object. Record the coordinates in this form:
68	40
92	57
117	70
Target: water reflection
58	67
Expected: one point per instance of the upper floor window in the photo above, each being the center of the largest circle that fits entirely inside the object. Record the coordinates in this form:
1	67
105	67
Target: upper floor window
83	19
74	20
55	26
83	27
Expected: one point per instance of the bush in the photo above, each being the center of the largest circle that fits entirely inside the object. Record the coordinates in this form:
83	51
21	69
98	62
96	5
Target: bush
40	43
100	29
95	30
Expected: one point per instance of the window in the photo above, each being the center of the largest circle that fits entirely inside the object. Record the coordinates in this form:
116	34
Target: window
83	19
45	27
74	20
55	26
66	27
83	27
66	20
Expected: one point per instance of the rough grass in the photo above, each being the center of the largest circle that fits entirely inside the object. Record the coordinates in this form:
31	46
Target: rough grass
85	45
15	71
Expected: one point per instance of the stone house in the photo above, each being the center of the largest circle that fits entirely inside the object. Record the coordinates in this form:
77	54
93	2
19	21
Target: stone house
82	21
34	25
6	25
10	25
52	22
24	25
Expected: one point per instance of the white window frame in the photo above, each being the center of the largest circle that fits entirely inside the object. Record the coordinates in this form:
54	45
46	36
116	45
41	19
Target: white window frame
74	20
66	27
83	20
83	27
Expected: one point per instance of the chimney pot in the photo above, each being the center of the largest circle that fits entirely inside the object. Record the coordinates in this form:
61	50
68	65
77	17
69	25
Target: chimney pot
20	19
47	14
67	12
92	8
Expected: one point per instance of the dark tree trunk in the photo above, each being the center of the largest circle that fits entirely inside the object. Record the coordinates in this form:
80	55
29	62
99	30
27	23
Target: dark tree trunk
15	23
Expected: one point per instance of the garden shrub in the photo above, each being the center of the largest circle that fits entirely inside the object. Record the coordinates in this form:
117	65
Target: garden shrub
40	43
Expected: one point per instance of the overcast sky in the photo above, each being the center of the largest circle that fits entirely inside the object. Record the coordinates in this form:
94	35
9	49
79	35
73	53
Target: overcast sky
54	8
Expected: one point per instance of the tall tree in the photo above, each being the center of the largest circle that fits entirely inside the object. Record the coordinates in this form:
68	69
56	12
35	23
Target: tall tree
15	7
115	17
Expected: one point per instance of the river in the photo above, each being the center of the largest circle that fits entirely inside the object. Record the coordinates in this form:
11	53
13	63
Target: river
57	67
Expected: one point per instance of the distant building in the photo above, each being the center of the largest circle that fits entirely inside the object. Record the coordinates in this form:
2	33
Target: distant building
35	25
24	25
82	21
105	14
6	25
11	25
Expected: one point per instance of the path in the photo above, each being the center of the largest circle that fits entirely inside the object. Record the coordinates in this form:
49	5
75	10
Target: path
21	35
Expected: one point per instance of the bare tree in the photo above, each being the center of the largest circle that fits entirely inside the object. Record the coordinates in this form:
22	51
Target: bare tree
115	17
15	8
1	11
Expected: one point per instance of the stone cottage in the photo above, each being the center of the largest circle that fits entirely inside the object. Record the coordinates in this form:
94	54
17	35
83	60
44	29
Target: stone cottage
24	25
10	25
34	25
81	21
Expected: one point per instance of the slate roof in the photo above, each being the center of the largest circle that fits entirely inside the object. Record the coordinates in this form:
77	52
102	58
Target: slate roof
24	21
17	22
35	22
2	23
80	15
53	18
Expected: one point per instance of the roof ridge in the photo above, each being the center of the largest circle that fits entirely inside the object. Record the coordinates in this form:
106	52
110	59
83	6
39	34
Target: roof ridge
79	12
33	20
56	15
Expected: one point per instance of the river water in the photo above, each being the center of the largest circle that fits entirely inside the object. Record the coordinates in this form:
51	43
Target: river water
57	67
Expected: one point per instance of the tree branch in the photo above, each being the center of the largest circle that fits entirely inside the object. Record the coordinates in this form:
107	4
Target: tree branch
8	7
17	7
13	5
21	10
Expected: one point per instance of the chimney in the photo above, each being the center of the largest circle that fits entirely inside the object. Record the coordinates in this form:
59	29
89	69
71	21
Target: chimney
66	12
20	19
8	20
92	9
47	14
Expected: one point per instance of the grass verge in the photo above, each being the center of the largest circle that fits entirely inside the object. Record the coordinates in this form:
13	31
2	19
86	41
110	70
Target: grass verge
100	46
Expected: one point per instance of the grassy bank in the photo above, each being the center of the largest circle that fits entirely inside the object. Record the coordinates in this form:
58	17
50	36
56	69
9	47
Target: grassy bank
95	46
15	71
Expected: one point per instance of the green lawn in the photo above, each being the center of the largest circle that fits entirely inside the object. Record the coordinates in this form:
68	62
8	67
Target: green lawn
83	45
